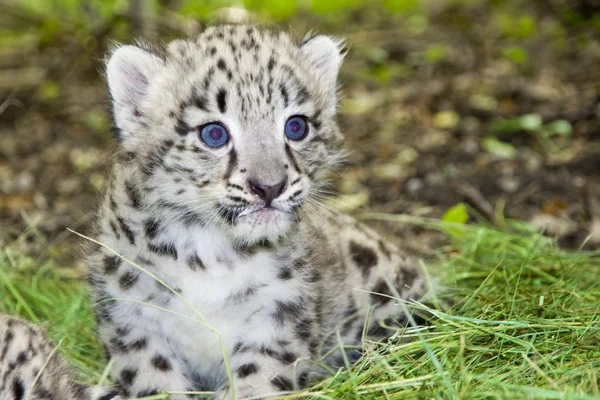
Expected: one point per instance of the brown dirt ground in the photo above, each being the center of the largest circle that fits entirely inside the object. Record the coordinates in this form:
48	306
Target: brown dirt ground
416	139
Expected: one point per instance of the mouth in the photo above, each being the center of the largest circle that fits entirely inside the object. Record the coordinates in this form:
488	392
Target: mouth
260	211
258	222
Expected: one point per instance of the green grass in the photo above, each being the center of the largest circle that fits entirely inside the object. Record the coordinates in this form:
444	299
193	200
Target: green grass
528	325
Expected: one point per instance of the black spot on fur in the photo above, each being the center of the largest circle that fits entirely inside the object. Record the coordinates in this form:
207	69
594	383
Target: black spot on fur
104	306
316	123
302	95
231	165
164	249
221	64
161	363
109	396
195	263
111	264
18	389
237	347
126	230
303	329
200	102
147	392
282	383
284	95
128	376
139	344
247	369
364	257
408	276
151	227
118	345
182	129
268	351
114	229
222	100
243	295
285	273
271	64
291	157
112	203
8	337
22	357
287	311
127	280
382	288
303	379
133	194
156	159
288	357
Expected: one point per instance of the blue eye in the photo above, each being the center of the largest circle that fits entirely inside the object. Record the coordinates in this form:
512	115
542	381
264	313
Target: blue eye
214	135
296	128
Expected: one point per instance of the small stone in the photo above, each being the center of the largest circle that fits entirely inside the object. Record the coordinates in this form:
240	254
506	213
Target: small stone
470	146
509	184
39	200
446	120
24	181
483	102
407	156
413	186
389	171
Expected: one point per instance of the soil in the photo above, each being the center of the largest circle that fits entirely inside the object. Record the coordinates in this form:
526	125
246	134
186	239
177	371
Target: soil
421	108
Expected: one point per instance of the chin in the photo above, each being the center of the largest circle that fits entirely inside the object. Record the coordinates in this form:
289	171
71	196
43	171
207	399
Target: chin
267	224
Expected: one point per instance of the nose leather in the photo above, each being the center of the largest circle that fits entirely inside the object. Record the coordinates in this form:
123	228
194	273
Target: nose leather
268	193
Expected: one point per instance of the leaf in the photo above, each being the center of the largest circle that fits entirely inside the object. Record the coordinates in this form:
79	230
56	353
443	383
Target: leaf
530	122
505	125
456	214
49	90
516	54
434	53
498	148
561	127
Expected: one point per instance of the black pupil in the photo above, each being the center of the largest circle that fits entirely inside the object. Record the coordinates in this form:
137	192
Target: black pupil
216	133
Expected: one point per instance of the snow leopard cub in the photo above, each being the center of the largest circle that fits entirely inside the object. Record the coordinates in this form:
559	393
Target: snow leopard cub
217	271
225	142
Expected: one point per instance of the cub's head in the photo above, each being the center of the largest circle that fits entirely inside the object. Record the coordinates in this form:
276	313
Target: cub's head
236	128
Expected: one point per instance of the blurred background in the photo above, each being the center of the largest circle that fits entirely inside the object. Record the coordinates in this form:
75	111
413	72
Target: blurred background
485	110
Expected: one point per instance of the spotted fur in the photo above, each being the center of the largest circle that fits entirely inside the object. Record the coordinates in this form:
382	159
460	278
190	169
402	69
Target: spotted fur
30	367
197	268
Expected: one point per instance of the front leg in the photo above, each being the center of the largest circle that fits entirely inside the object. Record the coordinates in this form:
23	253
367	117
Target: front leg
272	357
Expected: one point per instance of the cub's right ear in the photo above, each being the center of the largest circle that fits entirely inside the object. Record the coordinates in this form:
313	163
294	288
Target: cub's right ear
130	70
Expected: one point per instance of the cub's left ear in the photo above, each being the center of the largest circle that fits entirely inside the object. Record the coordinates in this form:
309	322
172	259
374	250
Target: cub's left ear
129	71
325	55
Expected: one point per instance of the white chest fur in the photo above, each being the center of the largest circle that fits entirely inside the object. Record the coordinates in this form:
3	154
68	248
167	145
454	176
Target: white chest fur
222	297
